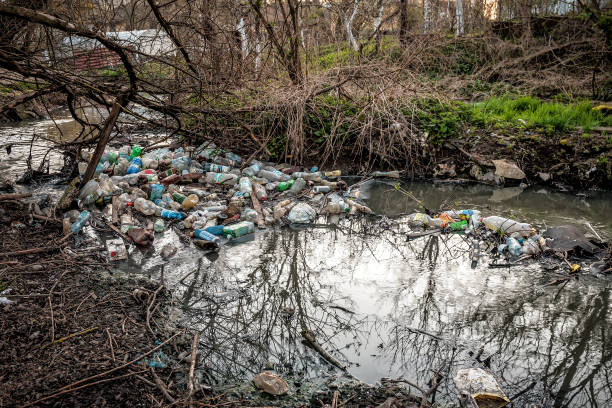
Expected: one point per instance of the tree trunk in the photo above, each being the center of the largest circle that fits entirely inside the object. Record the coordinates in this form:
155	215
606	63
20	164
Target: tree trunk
459	13
403	28
349	23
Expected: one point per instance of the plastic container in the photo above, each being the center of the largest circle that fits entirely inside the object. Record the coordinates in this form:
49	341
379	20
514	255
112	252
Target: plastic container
80	222
239	229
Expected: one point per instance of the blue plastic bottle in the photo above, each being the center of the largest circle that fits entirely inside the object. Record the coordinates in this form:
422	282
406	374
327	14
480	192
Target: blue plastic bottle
171	215
206	236
134	166
157	190
78	224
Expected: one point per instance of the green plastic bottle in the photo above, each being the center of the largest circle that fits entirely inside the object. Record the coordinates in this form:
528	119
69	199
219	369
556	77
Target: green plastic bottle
458	226
178	197
285	185
238	230
136	151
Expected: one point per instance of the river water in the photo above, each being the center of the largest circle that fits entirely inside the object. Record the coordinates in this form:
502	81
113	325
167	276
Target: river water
387	307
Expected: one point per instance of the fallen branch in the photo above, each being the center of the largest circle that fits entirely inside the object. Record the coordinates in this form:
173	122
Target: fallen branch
312	342
4	197
60	340
194	349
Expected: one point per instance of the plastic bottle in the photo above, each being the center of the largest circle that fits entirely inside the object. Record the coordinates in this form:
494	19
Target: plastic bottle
78	224
121	167
507	225
157	191
136	151
134	166
102	167
459	225
159	225
221	178
272	175
246	187
260	192
234	157
239	229
390	174
514	248
337	205
144	206
224	161
205	235
89	188
168	214
284	185
252	170
126	222
316	176
216	168
297	186
333	174
178	197
321	189
249	214
190	202
180	164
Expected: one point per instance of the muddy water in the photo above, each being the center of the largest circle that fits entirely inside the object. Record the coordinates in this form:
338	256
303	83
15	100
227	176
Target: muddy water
386	307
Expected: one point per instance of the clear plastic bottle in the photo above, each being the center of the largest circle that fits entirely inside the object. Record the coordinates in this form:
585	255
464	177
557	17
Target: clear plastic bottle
272	175
389	174
89	188
80	222
514	248
260	192
298	186
144	206
321	189
316	176
190	202
127	222
252	170
221	178
246	187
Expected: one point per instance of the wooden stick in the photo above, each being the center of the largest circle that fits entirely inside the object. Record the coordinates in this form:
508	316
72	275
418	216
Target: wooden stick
60	340
194	349
257	207
110	341
42	217
115	209
30	251
121	234
4	197
79	388
162	387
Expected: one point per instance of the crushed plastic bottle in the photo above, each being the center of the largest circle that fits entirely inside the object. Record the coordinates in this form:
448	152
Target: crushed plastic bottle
80	222
514	247
135	166
136	151
297	186
301	213
159	225
168	214
190	202
221	178
144	206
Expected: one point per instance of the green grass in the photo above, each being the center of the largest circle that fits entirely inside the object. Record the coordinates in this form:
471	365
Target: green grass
527	111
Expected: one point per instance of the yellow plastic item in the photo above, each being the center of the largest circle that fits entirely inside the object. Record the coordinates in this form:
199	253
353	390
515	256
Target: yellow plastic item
575	268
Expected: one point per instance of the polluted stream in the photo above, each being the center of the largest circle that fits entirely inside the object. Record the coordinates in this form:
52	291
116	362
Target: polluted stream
387	307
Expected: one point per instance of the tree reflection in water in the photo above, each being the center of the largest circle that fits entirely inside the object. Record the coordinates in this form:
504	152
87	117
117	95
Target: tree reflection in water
386	307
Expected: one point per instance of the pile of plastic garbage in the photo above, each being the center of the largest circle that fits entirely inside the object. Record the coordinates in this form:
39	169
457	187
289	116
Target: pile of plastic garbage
517	238
205	192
